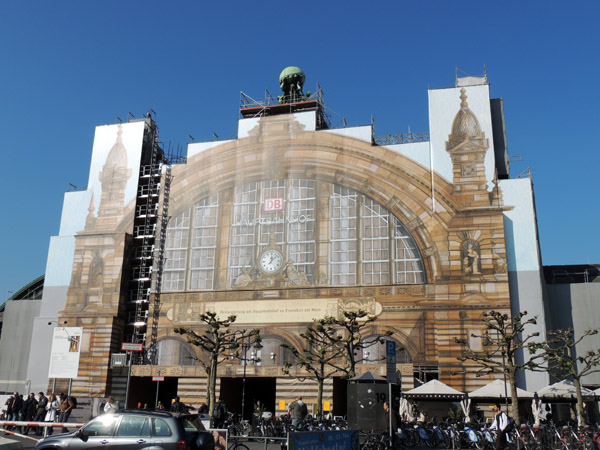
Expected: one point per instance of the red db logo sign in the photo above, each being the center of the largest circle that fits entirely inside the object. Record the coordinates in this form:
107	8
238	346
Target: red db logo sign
273	204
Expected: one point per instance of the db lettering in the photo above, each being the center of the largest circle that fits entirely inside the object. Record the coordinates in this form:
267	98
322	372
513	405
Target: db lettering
273	204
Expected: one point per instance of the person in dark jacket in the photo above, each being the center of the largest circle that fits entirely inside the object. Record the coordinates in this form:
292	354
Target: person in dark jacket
40	412
179	407
395	420
29	410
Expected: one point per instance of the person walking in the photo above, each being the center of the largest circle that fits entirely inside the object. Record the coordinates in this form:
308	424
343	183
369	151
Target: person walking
219	413
40	412
297	411
29	410
51	410
17	407
500	424
394	419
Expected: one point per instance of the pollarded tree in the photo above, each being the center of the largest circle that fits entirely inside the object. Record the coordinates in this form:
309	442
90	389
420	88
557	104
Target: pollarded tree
559	354
316	358
216	340
355	337
502	339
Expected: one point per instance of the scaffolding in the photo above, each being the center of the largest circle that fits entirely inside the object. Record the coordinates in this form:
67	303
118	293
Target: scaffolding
269	105
143	239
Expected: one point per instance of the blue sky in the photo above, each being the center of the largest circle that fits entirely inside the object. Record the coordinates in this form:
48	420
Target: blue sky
68	66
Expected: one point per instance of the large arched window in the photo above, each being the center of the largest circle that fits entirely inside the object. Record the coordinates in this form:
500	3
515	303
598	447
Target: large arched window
376	352
173	352
327	234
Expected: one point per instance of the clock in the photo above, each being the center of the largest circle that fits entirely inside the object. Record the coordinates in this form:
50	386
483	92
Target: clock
271	261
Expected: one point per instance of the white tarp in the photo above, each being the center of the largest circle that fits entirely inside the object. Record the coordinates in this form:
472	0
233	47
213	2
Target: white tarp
496	389
562	390
433	389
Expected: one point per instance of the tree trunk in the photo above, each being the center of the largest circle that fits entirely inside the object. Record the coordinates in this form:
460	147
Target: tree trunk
319	412
514	407
212	384
581	419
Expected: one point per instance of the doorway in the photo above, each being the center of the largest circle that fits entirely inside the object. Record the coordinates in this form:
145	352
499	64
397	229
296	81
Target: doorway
143	390
262	389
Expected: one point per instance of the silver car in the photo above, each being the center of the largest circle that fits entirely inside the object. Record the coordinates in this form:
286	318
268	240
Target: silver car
134	430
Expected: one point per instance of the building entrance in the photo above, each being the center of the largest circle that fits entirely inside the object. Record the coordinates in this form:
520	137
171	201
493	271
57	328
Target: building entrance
262	389
143	390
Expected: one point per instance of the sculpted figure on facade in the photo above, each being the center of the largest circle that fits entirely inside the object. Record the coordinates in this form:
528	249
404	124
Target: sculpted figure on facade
470	258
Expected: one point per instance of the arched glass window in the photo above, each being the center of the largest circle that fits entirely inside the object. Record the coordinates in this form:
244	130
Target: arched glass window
273	354
173	352
325	234
375	353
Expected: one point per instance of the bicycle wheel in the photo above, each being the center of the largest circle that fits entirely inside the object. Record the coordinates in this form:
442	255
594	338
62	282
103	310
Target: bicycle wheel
237	446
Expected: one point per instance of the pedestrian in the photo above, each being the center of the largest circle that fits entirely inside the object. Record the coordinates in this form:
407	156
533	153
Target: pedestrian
500	424
203	408
219	413
17	406
297	411
160	406
111	405
259	409
40	412
394	419
66	406
51	410
29	410
178	407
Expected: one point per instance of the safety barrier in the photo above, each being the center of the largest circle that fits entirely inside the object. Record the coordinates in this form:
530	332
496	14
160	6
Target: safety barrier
44	425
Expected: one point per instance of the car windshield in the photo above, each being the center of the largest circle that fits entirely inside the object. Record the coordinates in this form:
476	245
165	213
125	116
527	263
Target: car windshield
192	423
102	426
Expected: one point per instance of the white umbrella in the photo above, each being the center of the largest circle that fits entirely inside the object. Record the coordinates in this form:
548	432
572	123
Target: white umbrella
466	408
404	408
536	409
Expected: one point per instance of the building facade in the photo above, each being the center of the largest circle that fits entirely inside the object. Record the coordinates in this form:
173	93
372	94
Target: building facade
292	221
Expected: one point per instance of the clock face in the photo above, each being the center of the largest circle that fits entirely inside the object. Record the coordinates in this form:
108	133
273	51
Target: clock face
271	261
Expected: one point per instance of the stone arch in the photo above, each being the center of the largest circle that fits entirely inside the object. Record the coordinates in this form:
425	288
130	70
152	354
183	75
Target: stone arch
404	192
172	350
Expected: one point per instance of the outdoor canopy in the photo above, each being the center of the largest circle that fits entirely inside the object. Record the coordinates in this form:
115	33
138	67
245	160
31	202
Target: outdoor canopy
563	390
434	389
496	390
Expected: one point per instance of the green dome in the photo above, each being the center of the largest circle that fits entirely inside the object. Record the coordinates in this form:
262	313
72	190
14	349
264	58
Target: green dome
292	72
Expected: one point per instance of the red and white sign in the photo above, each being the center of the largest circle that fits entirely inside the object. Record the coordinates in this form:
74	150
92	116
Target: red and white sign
273	204
158	378
131	347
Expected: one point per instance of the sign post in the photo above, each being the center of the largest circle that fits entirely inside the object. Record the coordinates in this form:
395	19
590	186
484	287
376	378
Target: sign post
158	379
390	360
130	347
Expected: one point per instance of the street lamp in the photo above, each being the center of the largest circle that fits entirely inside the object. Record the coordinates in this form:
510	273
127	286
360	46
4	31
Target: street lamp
245	346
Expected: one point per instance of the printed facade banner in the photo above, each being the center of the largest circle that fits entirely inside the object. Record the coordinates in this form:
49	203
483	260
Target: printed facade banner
66	347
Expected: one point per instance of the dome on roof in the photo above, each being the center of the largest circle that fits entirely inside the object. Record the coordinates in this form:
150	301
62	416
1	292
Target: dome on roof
465	123
117	157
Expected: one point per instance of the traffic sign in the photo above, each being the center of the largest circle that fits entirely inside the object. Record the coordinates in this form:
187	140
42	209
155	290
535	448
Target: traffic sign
158	378
132	347
390	359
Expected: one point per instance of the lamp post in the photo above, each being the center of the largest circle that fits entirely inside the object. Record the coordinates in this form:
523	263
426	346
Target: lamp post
245	346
